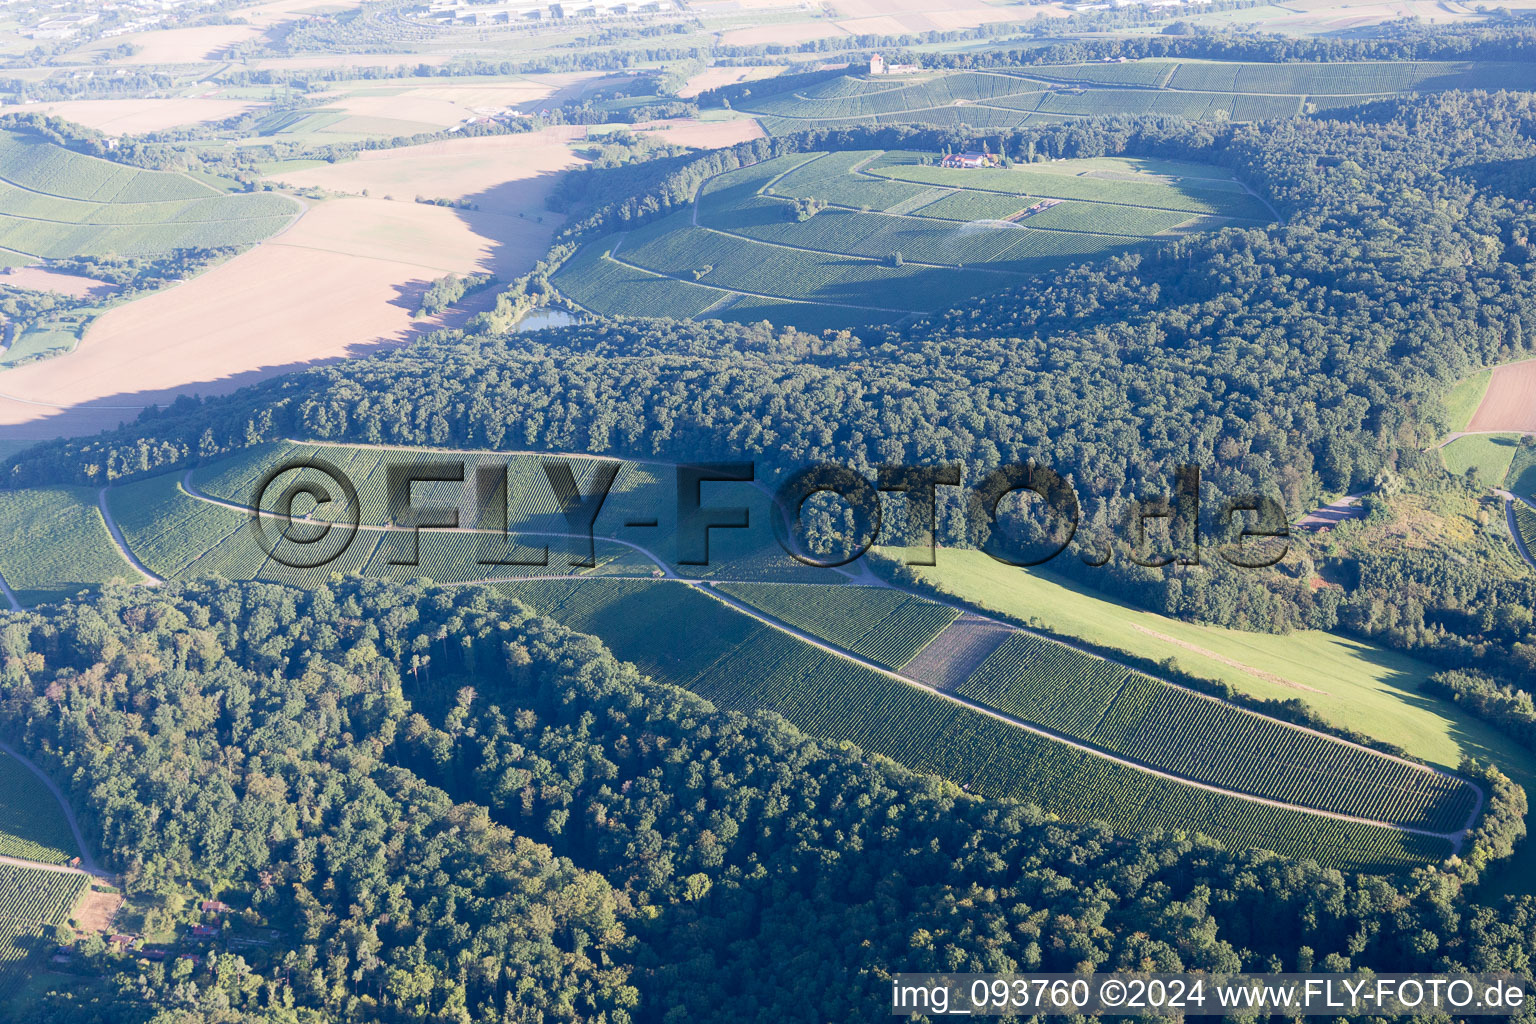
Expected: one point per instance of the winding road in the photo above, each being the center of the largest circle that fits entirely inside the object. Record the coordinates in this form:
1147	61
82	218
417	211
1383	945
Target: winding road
88	865
122	545
666	570
1514	524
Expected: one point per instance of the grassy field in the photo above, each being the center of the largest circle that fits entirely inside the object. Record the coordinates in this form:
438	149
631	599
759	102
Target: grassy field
744	665
729	657
1053	685
55	203
1464	398
1489	454
54	544
1199	90
893	235
1359	686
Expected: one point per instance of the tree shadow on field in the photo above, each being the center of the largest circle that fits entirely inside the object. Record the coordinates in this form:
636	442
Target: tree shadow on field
510	219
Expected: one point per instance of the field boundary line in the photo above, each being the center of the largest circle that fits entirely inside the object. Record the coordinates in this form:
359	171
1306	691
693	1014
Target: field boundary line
1074	199
698	193
212	192
1513	523
1119	692
121	542
1454	838
856	256
763	295
1431	769
88	865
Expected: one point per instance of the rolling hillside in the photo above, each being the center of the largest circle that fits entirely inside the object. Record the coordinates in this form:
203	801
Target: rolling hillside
872	236
58	204
1043	94
1027	717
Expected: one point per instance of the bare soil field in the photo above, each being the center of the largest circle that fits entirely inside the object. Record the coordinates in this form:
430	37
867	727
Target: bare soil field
704	134
137	116
788	33
176	45
898	16
39	280
267	15
502	173
714	78
351	60
1510	404
446	103
96	910
342	282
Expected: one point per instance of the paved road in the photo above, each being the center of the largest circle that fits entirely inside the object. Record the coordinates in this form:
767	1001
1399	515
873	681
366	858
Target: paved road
122	544
9	594
88	864
1454	838
707	587
1514	524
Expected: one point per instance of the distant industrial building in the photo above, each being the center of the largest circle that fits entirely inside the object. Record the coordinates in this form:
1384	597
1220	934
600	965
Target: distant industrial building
522	12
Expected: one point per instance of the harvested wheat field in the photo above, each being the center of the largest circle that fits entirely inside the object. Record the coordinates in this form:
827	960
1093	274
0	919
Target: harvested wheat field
176	45
687	131
267	15
714	78
138	116
502	173
351	60
861	16
342	282
39	280
787	34
1510	404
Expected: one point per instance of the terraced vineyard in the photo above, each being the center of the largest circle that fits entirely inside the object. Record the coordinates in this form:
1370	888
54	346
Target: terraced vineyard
56	203
1175	730
741	664
1525	520
54	544
885	626
32	826
1042	94
32	901
531	500
178	536
897	236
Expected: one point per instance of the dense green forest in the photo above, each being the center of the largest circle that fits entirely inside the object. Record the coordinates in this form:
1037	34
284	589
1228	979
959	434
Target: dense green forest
431	804
444	808
1297	361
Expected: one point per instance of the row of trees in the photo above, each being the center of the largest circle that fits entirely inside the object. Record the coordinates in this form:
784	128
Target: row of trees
452	810
1296	361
